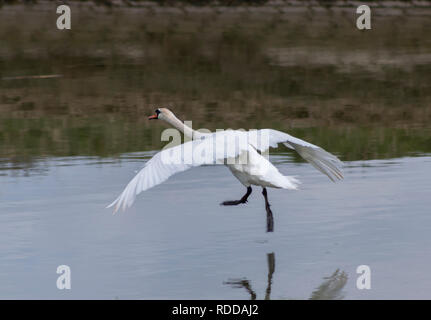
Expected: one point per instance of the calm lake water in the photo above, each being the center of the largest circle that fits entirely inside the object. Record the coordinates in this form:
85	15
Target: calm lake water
178	242
74	131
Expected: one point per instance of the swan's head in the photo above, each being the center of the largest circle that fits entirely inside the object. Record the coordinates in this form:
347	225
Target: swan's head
162	114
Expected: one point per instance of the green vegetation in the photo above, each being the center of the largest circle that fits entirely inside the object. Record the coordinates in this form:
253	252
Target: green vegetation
361	94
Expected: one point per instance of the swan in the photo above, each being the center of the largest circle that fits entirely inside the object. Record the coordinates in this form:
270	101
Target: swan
242	152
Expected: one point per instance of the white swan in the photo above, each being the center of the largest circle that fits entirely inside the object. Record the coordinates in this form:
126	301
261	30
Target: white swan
239	150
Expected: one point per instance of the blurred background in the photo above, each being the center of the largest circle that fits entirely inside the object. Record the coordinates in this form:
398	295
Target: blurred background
301	67
74	129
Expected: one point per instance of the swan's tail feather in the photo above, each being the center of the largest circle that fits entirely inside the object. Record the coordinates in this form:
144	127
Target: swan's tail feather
289	182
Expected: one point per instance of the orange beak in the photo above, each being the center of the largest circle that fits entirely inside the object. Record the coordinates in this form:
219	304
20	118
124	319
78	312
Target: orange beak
154	116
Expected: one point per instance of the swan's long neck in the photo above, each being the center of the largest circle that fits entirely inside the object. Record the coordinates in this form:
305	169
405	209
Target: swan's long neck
177	123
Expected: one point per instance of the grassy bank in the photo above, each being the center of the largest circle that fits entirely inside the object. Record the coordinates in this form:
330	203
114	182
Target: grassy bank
312	73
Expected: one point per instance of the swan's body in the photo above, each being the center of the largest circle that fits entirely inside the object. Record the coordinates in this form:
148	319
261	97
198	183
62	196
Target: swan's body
259	171
239	150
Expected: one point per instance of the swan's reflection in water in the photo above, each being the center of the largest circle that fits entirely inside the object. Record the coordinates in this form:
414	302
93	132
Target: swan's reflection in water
330	289
244	283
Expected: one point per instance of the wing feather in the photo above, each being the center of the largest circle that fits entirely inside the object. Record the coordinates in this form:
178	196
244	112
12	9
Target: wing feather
217	147
212	150
322	160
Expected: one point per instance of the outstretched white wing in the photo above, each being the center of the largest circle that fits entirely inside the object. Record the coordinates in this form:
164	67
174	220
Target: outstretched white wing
322	160
215	148
212	149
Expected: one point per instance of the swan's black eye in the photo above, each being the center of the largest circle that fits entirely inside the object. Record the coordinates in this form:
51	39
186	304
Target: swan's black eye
157	111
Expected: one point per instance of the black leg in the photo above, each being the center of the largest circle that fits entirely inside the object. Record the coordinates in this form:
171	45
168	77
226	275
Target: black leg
269	217
236	202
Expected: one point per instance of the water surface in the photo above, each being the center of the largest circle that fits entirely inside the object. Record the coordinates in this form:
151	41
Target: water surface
178	242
